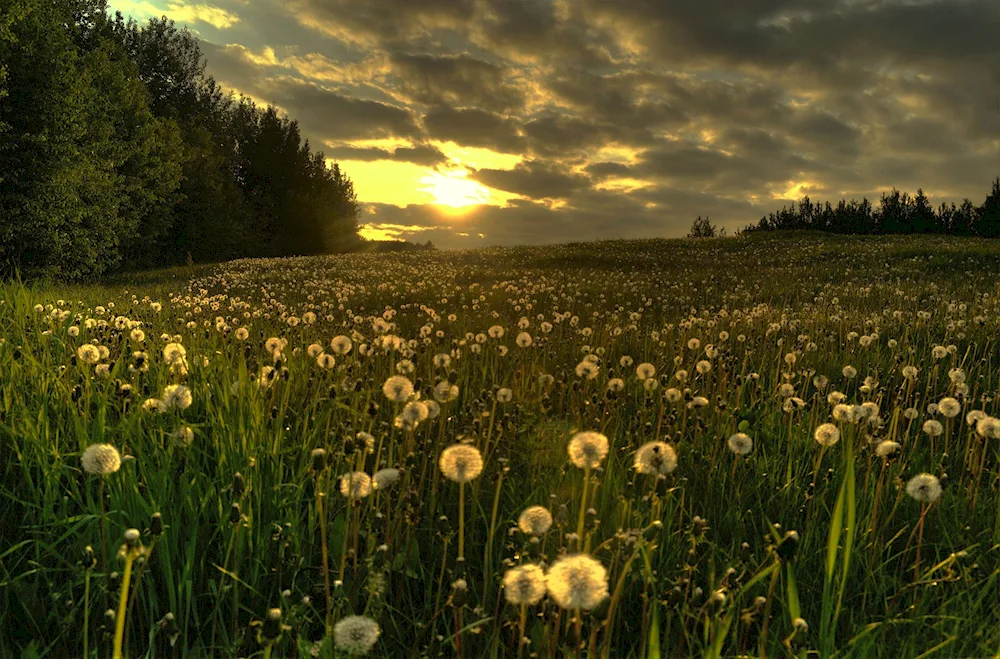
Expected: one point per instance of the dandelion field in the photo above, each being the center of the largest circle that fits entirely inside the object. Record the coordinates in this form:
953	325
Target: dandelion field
765	446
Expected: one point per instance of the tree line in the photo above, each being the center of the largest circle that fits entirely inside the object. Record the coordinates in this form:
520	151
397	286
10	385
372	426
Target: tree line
896	213
118	152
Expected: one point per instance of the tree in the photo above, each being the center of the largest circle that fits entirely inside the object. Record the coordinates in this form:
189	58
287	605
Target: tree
922	219
702	228
989	213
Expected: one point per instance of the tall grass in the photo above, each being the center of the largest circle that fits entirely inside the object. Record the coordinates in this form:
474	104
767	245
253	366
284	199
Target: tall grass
700	561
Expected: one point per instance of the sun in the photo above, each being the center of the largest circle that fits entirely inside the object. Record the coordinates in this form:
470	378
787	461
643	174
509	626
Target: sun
452	190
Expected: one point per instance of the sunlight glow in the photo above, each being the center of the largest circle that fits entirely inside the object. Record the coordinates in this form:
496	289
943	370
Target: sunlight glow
453	190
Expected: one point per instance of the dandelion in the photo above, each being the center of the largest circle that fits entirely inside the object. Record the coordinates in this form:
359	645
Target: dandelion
577	581
933	428
535	521
703	367
101	459
496	332
910	372
461	463
182	437
383	478
88	354
523	340
826	434
242	334
740	443
939	352
398	388
587	370
850	372
325	361
949	407
587	449
341	345
355	485
655	458
524	585
412	414
176	397
645	371
504	395
356	635
174	354
886	448
988	426
445	391
924	487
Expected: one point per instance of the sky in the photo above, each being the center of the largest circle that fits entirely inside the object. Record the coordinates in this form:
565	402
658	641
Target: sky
501	122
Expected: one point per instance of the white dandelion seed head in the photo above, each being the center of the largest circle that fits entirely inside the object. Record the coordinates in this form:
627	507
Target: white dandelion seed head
740	443
176	397
587	449
826	434
924	487
356	635
461	463
101	459
398	388
949	407
356	485
383	478
577	581
933	428
524	584
655	458
886	448
535	520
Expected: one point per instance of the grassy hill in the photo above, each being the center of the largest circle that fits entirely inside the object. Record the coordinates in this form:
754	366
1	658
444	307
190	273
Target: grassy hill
710	367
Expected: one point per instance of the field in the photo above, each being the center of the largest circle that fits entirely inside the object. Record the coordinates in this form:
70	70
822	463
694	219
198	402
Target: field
780	446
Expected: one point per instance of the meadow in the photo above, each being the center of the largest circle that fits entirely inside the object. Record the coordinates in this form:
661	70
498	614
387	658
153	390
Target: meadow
769	446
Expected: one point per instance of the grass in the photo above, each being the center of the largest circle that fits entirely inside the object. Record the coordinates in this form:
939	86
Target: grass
702	561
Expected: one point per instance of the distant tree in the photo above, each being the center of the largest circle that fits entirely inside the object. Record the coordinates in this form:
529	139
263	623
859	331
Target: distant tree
922	218
702	228
988	215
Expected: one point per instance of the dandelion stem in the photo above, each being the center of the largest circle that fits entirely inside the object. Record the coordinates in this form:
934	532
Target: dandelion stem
130	556
583	507
86	614
461	520
325	552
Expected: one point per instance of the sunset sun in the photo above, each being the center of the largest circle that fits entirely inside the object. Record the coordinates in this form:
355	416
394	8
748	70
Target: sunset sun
453	191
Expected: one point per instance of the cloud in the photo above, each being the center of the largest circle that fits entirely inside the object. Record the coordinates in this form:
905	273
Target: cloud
214	16
181	12
335	116
720	108
455	80
421	154
532	179
473	127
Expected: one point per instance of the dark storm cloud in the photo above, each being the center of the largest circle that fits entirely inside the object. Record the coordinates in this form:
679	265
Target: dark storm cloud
600	171
455	80
532	179
334	116
542	31
422	154
472	127
387	23
721	101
